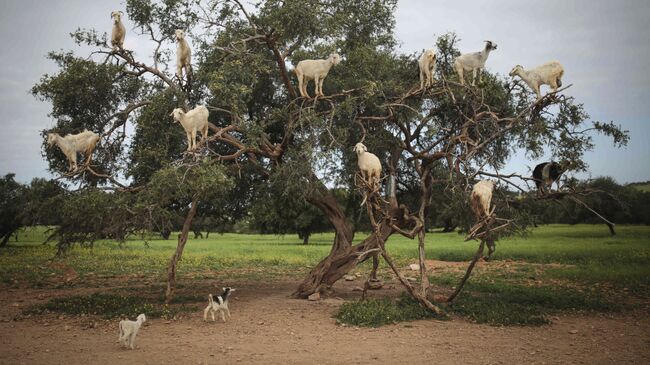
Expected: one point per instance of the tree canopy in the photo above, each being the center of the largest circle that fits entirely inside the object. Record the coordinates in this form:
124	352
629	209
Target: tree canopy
266	143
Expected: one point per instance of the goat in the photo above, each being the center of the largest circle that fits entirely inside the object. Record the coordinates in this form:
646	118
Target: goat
193	121
549	73
183	55
545	174
482	198
427	64
473	62
368	163
315	70
220	305
72	144
129	329
118	32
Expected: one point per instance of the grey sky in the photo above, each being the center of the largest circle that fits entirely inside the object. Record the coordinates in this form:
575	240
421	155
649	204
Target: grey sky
603	46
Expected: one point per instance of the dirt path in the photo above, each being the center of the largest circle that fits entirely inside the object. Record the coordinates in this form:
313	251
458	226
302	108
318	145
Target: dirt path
268	327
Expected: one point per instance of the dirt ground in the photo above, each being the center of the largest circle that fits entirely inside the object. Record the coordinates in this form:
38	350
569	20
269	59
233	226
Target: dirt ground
269	327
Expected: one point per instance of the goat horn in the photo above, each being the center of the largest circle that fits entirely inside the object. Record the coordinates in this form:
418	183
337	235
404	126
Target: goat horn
121	12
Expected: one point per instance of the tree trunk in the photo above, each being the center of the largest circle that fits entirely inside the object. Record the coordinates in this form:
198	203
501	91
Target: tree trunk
449	226
340	262
305	238
182	240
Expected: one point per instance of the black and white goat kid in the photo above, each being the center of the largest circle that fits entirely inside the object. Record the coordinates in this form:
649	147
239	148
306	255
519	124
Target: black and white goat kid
545	174
218	304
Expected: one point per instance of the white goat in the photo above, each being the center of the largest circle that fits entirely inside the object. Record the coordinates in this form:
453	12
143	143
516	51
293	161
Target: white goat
549	73
72	144
481	198
427	63
193	121
314	70
368	163
129	329
183	55
474	62
119	31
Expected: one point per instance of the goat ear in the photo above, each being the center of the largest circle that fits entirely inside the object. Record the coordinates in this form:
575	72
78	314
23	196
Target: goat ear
121	12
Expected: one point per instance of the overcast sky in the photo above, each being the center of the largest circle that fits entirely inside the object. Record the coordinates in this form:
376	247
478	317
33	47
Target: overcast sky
603	46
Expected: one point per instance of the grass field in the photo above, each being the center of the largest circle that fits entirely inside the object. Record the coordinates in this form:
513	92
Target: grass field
583	266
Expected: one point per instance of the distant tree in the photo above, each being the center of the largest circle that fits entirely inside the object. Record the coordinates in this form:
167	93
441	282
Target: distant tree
276	212
12	202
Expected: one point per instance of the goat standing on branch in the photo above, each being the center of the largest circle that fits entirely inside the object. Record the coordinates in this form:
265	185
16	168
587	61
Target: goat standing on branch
549	73
72	144
183	56
369	164
427	63
482	198
193	121
118	32
474	62
315	70
545	174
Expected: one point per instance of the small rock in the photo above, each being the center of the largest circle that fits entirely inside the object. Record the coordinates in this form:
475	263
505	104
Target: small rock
314	297
412	279
260	323
349	277
414	267
357	288
573	332
66	328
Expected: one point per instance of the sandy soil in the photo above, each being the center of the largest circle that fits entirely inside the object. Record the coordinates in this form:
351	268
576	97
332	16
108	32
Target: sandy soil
269	327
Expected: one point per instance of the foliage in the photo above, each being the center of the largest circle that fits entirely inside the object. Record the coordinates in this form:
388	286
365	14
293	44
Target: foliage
378	312
622	204
12	198
108	306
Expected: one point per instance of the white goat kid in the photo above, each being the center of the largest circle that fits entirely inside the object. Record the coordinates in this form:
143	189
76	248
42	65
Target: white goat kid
474	62
427	63
218	304
368	163
129	329
315	70
118	32
481	198
193	121
183	55
72	144
549	73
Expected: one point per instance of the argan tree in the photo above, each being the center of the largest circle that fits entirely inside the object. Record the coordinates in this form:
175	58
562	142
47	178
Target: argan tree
440	140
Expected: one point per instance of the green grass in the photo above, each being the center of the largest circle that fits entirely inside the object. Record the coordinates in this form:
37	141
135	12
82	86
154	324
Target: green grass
108	306
511	304
594	266
379	312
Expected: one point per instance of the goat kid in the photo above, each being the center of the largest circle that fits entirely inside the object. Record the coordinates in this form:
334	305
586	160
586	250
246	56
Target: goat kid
129	329
218	304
